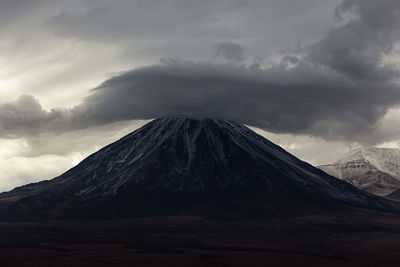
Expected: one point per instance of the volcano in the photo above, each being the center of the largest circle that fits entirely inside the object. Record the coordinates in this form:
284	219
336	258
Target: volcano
175	166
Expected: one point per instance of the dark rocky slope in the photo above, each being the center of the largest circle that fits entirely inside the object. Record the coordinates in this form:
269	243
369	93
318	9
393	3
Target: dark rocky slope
176	166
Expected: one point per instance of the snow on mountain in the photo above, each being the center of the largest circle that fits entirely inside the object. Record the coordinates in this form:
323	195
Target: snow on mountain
173	164
375	170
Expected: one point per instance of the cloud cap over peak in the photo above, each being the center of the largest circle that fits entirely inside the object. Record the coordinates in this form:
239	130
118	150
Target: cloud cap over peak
278	99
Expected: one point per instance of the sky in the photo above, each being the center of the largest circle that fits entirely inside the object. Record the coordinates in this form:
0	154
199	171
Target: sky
318	77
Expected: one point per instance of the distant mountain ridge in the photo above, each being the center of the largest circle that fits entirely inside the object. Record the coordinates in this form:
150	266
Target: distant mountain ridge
395	196
185	166
375	170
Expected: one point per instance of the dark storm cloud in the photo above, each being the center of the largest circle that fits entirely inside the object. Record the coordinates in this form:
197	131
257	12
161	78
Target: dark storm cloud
299	99
336	88
356	49
230	51
26	117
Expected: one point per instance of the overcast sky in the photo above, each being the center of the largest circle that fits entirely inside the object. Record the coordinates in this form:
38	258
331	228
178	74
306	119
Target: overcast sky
319	77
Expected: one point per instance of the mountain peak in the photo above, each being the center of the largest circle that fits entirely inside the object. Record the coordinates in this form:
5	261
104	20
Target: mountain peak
372	153
376	170
183	165
384	159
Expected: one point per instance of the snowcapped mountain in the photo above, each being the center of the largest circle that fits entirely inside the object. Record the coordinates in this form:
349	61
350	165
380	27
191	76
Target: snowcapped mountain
177	165
375	170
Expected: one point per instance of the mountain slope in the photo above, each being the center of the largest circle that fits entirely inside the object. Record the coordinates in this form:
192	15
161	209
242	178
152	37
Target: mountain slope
177	165
375	170
395	196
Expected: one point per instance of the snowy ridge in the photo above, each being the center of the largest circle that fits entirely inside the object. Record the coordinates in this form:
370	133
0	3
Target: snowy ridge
384	159
376	170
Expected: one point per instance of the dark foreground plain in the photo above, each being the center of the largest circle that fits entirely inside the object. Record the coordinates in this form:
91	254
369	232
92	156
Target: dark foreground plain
356	237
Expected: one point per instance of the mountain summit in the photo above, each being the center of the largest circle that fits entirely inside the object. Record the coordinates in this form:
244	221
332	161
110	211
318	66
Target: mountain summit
375	170
177	165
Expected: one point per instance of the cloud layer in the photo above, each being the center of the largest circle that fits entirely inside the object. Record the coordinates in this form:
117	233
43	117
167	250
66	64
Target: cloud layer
337	88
